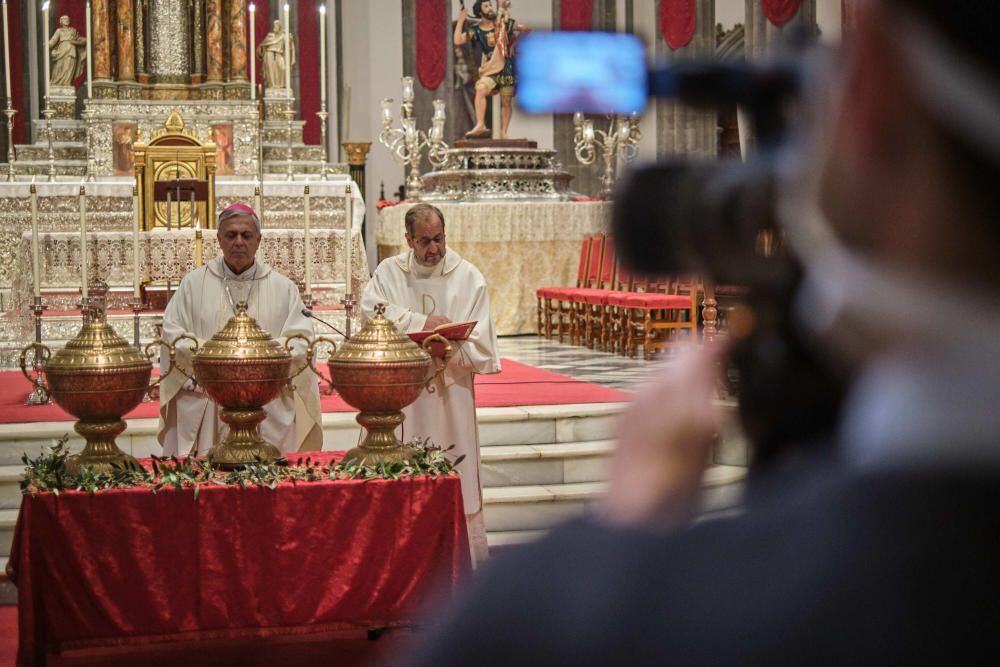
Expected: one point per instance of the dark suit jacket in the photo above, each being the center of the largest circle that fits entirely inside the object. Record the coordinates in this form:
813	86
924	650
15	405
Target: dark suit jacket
845	568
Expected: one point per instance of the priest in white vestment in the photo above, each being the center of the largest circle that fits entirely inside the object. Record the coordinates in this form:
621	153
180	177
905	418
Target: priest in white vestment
203	303
423	288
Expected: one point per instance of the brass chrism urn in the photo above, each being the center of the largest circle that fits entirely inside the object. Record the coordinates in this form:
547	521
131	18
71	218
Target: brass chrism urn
97	378
380	371
242	368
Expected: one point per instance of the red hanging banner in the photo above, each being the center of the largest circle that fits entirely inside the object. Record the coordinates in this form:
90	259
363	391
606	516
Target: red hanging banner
780	12
431	42
677	21
307	60
576	14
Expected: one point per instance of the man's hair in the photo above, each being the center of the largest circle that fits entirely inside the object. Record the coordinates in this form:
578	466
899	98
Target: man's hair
236	211
421	212
477	9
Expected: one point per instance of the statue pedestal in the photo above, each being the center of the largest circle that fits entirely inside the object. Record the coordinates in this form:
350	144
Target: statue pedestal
62	101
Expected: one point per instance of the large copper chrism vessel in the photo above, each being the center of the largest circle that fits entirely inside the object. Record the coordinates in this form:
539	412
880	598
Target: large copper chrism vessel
242	368
380	371
97	378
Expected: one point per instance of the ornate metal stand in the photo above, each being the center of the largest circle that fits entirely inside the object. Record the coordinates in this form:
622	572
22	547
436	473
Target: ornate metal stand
137	309
88	115
289	172
39	396
48	113
9	112
323	115
621	140
348	302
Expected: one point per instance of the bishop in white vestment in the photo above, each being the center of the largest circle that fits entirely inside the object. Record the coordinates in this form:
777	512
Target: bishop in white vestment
203	303
423	288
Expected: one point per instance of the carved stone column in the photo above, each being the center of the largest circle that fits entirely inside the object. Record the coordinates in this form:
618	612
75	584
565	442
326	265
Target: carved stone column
140	42
102	49
125	34
681	130
237	50
213	40
198	73
169	44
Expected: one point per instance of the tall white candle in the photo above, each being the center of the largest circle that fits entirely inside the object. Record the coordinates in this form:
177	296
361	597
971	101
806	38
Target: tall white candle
288	49
90	55
135	243
308	243
83	239
253	53
348	238
322	54
6	49
35	262
48	54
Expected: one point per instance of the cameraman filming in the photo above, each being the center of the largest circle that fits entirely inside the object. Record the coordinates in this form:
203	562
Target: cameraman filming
890	552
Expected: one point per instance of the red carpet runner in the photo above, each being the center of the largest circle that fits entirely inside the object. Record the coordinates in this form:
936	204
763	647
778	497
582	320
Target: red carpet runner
518	384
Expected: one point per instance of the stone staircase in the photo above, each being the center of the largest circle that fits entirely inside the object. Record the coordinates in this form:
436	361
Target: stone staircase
540	465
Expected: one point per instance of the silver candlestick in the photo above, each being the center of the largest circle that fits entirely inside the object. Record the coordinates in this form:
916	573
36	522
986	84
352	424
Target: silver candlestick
323	115
348	302
48	113
406	144
137	309
39	396
9	111
620	143
289	173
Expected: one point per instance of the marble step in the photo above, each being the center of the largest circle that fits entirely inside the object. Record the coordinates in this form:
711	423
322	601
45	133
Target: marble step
10	486
558	463
8	591
8	519
537	507
64	150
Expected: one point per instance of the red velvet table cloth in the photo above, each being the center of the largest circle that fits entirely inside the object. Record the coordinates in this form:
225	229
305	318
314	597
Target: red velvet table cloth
128	567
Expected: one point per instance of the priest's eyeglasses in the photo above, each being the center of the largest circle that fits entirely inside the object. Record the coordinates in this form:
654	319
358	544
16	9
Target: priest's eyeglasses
423	241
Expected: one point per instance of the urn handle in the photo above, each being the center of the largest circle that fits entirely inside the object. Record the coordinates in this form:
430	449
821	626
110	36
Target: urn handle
310	354
42	354
436	338
172	348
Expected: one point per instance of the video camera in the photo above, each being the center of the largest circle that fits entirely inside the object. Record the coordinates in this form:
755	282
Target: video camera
707	218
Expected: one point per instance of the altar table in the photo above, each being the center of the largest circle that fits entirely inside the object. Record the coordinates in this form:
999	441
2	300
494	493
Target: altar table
518	246
128	567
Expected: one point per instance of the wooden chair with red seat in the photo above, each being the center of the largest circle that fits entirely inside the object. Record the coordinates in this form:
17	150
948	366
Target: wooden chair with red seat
654	313
595	314
591	284
560	295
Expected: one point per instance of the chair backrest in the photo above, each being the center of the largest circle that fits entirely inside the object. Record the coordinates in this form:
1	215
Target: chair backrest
581	272
606	279
594	263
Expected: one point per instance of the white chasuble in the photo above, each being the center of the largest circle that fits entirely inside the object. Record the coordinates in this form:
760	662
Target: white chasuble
456	289
204	302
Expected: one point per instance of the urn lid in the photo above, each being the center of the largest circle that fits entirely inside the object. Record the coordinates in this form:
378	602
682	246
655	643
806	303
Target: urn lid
379	342
97	346
241	339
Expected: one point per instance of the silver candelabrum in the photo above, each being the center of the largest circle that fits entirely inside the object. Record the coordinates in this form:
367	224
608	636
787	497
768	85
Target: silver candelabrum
619	142
407	143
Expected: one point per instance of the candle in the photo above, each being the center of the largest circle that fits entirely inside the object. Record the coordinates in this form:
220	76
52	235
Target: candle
386	111
308	238
253	53
83	239
348	229
135	243
35	264
90	56
407	89
439	110
322	54
6	49
288	50
48	55
577	119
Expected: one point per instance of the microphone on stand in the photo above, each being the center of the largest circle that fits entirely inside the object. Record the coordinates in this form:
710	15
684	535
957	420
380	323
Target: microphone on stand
308	313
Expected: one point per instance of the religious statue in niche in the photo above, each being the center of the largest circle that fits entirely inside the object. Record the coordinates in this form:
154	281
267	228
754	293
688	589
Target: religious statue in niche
271	51
222	137
123	136
68	52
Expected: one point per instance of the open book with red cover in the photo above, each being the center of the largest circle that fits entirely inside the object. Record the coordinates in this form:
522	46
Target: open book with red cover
452	331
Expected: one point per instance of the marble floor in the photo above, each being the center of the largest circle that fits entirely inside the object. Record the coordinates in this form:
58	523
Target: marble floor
610	370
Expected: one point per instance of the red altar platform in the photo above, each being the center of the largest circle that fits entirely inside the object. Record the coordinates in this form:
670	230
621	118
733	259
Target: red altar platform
128	568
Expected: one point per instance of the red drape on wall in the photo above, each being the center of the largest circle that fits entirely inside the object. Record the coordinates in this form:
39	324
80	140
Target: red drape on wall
18	48
576	15
431	42
262	26
780	12
677	21
77	13
308	61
